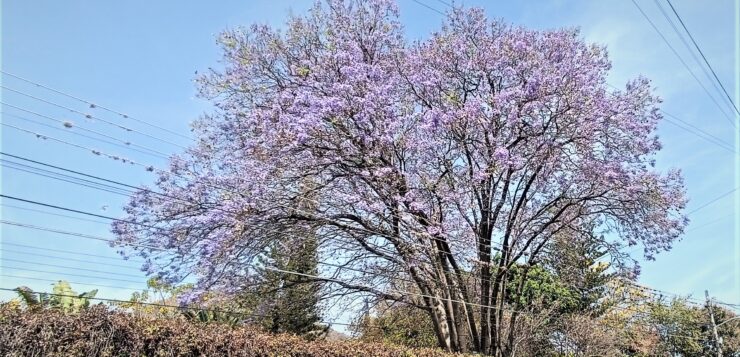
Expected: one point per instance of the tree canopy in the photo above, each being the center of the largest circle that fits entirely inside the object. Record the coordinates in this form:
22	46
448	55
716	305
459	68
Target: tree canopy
421	160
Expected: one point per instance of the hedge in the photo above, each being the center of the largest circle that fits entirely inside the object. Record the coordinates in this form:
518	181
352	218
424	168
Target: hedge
98	331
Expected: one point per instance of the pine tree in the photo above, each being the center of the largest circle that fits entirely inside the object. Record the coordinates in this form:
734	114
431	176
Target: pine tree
296	309
575	263
288	297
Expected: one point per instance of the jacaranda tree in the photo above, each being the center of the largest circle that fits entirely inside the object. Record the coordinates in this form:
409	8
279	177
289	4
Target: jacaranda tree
433	166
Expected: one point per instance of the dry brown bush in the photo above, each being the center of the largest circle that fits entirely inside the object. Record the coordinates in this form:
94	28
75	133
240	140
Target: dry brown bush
98	331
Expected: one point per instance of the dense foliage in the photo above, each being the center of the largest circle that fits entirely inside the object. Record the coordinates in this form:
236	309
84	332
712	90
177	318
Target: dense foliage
416	160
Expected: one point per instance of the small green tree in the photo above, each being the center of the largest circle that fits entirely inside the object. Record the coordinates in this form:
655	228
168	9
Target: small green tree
152	300
682	328
539	287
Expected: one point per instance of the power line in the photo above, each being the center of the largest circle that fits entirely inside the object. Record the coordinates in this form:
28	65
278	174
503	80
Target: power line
660	293
652	291
82	235
693	129
6	165
66	258
321	263
707	138
655	28
77	211
688	47
735	306
92	117
341	267
713	201
74	171
424	295
68	126
696	302
85	236
72	268
71	282
399	291
93	105
73	234
88	175
70	177
52	213
710	222
61	141
71	274
113	219
139	224
729	98
698	130
429	7
345	284
69	252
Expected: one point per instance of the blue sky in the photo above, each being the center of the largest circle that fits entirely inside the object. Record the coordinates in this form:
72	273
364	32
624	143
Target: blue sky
140	57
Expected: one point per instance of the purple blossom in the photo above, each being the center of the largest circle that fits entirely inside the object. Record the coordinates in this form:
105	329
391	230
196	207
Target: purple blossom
501	154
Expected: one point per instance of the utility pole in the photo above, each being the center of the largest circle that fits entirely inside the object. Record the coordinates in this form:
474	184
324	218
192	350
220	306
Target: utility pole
717	341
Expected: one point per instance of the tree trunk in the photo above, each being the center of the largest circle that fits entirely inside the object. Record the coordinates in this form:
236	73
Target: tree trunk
485	297
439	319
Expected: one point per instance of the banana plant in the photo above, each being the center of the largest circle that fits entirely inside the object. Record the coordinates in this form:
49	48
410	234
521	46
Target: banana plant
31	299
62	297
